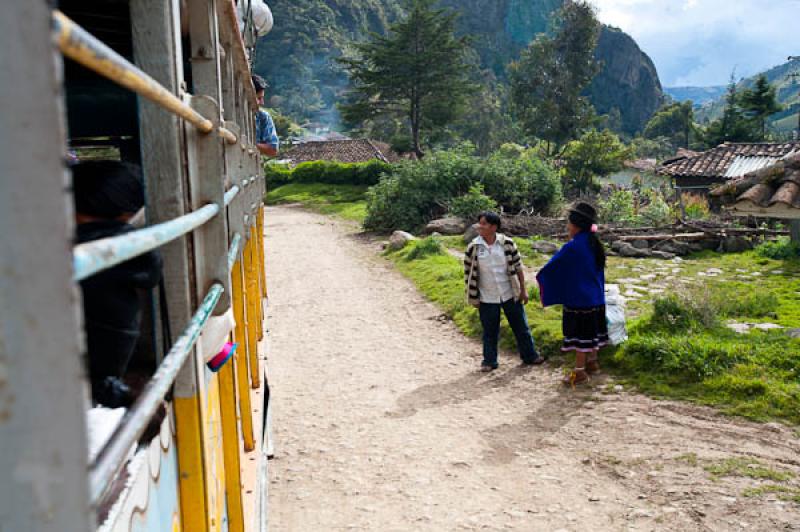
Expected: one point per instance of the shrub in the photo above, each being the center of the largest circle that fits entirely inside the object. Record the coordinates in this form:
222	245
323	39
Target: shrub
520	183
779	249
619	207
657	212
327	172
684	311
695	206
277	174
424	248
471	204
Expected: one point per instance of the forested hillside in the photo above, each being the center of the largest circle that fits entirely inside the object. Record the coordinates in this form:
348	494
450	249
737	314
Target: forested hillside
298	57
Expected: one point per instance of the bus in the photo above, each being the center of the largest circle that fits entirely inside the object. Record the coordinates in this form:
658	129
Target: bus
165	85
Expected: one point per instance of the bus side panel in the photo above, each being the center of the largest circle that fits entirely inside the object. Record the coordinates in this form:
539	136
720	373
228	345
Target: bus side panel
215	465
150	501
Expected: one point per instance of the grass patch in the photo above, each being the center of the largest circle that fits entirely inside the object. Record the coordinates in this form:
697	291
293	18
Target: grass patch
746	467
346	201
785	493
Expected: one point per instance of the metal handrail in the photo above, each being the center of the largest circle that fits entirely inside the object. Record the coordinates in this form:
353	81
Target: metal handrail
233	251
84	48
111	457
99	255
230	194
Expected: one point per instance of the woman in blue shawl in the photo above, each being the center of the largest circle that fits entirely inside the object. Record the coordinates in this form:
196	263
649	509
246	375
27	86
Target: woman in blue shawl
575	278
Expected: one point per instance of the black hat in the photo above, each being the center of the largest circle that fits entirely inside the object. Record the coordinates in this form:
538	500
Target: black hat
585	210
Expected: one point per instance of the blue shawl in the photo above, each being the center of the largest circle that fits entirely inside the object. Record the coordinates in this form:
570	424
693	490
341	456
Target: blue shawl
572	278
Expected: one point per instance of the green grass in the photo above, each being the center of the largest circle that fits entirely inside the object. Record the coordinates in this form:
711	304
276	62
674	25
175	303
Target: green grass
345	201
746	467
756	375
785	493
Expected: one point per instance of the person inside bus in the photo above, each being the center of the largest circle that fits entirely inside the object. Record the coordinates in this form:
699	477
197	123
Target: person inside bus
266	137
107	195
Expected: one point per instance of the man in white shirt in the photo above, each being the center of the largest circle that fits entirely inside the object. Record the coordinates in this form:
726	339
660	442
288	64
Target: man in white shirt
495	280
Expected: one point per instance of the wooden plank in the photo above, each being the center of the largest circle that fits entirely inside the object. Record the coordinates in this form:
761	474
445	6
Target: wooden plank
44	483
156	44
241	359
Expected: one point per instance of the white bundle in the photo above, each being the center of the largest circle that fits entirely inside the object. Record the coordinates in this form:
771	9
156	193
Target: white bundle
261	13
615	315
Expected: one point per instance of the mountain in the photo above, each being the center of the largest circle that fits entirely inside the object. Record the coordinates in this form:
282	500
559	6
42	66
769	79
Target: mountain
698	95
788	95
298	56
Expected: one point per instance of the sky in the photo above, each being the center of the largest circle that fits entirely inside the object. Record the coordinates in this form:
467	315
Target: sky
700	42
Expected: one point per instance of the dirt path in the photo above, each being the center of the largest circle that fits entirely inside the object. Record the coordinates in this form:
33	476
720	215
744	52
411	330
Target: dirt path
383	423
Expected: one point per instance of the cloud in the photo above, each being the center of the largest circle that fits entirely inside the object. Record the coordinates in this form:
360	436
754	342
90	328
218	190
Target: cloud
700	42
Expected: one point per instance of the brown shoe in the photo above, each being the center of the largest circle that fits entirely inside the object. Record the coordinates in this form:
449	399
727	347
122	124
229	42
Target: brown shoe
576	376
592	366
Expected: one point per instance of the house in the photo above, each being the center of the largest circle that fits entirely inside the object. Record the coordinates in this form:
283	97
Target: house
770	192
700	172
344	151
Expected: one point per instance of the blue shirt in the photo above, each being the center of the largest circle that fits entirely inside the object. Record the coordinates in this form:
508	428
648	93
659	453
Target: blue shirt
572	277
265	130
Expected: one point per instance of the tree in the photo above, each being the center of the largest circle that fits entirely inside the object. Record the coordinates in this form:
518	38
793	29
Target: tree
418	72
595	154
733	126
674	121
759	103
548	80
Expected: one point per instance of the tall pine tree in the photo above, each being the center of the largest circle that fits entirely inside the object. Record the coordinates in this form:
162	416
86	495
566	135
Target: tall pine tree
548	81
734	125
759	103
419	73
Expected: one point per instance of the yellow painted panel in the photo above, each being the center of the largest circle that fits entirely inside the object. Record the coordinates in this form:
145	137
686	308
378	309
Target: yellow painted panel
230	440
240	358
215	465
253	302
189	437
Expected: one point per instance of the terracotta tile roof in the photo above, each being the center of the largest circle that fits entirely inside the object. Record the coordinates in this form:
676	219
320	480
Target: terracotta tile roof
772	192
344	151
728	160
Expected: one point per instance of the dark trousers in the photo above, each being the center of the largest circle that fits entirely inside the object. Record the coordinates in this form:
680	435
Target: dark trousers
515	314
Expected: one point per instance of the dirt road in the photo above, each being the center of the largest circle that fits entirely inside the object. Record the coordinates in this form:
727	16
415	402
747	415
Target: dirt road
383	423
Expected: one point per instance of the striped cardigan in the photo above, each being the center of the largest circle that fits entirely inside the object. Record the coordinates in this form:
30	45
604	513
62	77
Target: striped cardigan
472	272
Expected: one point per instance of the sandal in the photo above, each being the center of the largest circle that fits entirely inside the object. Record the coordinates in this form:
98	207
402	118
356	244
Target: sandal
576	376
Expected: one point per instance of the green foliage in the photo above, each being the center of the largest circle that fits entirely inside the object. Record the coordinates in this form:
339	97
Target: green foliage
419	72
675	122
734	126
779	249
416	192
759	103
594	154
746	467
619	207
549	79
329	172
468	206
695	206
424	248
656	148
346	201
657	212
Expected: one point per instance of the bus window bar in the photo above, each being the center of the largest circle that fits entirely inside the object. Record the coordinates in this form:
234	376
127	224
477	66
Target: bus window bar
233	252
230	194
82	47
111	457
99	255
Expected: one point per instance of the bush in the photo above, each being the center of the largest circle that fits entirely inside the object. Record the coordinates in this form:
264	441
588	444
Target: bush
695	206
618	207
327	172
684	311
781	249
657	212
415	192
471	204
425	248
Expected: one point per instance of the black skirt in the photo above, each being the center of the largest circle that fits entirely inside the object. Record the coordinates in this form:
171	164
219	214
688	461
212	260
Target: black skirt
585	329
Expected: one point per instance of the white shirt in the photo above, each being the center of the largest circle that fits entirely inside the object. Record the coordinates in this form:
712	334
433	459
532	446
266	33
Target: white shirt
494	285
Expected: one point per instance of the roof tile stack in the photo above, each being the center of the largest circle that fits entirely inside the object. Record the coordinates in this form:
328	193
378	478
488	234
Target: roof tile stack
343	151
717	161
